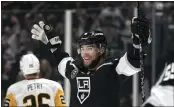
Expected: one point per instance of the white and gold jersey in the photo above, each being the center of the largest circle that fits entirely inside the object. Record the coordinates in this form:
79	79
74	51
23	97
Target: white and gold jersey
162	94
35	93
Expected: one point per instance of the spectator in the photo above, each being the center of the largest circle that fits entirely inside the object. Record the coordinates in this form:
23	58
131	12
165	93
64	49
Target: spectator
45	68
7	78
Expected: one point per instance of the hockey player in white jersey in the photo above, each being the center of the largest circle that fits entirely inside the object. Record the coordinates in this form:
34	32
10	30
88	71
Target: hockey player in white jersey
34	91
162	94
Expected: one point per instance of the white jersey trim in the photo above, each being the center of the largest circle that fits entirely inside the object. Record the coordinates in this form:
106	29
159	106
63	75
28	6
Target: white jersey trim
161	96
152	100
109	63
62	65
124	67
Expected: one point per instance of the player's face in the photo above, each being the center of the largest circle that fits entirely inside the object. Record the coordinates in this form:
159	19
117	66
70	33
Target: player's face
89	54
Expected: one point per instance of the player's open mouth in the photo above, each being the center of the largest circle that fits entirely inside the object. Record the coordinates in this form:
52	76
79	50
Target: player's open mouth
86	60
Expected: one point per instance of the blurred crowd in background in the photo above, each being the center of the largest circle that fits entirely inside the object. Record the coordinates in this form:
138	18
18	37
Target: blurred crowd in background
113	18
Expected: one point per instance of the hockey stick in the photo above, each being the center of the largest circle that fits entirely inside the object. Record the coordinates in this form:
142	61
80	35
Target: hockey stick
141	57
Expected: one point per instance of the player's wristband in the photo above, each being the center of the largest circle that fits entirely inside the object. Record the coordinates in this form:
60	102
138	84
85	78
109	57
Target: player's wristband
133	56
54	42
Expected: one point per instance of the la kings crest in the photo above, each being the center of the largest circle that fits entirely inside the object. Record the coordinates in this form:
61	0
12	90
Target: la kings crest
84	87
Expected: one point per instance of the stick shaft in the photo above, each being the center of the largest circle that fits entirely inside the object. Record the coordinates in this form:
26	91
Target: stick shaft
141	57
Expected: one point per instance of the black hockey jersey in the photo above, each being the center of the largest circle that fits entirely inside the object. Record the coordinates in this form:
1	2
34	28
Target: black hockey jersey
98	88
95	88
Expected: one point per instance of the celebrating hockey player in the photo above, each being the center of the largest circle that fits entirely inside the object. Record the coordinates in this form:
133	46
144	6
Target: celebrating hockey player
94	77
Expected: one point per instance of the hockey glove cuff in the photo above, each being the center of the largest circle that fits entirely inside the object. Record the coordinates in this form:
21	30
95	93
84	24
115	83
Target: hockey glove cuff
46	34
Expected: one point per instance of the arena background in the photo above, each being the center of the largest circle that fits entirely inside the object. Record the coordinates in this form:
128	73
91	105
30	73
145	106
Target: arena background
70	19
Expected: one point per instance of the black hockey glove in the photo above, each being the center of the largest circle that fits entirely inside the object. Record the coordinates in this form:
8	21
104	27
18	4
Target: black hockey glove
46	34
140	31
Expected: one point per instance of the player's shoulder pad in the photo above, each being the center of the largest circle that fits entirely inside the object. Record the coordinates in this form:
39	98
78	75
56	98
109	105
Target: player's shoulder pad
57	85
52	83
108	61
16	87
114	61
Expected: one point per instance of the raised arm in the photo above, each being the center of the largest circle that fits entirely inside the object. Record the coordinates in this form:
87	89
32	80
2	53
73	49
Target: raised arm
45	34
129	64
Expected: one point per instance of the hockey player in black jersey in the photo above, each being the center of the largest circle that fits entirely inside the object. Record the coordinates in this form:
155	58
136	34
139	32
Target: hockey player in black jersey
94	78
